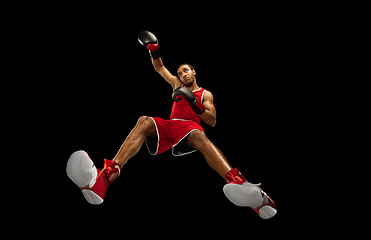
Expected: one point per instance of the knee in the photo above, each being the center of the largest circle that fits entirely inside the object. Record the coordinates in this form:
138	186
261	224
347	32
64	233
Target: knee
145	123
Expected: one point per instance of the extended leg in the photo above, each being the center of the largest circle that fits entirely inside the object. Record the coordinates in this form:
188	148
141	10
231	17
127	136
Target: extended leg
237	190
93	182
214	157
134	141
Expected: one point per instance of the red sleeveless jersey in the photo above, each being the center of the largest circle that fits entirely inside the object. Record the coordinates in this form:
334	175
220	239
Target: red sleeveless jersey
182	110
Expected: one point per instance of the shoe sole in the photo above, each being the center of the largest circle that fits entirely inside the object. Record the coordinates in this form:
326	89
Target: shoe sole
245	195
92	197
267	212
81	170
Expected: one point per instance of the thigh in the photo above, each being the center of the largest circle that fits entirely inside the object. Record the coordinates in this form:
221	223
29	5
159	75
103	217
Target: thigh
162	141
197	140
181	130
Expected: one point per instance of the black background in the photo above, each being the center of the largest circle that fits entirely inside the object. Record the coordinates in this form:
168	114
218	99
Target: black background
100	80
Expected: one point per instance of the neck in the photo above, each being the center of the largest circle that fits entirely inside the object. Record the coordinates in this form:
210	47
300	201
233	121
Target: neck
194	86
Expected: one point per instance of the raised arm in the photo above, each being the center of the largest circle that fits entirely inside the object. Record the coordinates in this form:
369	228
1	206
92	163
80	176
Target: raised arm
170	78
149	40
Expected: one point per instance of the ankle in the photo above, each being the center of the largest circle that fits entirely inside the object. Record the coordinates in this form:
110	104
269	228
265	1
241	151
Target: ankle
112	170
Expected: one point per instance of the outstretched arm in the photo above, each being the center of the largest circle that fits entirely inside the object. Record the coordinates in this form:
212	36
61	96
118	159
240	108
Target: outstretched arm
149	40
171	79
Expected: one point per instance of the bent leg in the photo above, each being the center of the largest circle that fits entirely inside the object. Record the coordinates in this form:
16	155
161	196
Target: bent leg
213	156
134	141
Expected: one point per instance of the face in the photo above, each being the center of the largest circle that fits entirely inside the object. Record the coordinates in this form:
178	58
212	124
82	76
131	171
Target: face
186	75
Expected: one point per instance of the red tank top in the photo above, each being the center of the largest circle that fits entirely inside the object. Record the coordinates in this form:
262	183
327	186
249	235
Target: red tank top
182	109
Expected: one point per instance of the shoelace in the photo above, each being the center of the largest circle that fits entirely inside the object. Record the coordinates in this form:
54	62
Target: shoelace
104	168
235	178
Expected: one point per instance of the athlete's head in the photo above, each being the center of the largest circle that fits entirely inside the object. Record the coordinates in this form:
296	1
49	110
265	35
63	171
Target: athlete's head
186	74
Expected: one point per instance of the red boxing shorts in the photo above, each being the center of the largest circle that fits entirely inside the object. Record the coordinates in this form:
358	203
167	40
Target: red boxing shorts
170	134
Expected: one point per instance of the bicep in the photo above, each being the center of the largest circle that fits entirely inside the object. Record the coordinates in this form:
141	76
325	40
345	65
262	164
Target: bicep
170	78
209	102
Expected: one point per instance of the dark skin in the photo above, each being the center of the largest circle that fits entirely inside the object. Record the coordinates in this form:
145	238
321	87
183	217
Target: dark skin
188	78
197	139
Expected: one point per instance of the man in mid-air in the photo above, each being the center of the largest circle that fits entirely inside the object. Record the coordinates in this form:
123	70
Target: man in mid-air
182	133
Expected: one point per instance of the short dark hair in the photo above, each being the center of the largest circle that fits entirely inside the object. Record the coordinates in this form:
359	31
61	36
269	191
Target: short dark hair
189	65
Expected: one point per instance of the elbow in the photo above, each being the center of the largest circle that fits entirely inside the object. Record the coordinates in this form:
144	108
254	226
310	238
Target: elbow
209	118
212	123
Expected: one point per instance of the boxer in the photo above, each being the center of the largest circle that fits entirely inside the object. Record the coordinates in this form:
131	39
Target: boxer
182	133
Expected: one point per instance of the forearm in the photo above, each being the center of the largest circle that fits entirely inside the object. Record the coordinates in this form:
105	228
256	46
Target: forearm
208	117
157	63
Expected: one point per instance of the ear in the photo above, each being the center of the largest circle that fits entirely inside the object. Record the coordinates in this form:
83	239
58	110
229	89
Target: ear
194	72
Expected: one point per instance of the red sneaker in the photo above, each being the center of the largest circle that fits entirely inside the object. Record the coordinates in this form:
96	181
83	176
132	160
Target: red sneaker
92	182
245	194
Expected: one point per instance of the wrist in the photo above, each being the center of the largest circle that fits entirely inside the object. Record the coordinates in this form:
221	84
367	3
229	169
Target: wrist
153	50
198	107
156	54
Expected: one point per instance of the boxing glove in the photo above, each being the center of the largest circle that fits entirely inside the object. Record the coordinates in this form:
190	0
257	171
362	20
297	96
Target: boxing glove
190	97
149	40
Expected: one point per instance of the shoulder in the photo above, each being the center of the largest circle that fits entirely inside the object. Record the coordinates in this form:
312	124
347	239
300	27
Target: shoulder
208	96
177	83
